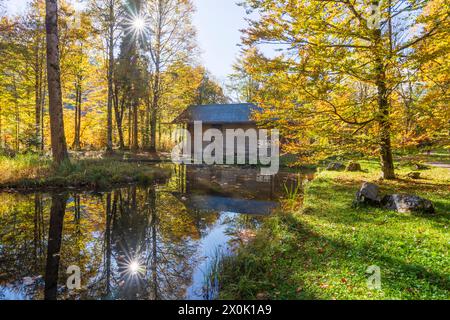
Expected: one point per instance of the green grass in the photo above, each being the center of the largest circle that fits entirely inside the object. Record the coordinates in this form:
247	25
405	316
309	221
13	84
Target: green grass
323	250
33	171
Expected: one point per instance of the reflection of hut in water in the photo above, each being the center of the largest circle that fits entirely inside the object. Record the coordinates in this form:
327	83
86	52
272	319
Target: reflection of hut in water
233	189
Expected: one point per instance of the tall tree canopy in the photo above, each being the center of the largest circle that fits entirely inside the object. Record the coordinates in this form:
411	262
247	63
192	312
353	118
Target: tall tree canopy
340	67
126	68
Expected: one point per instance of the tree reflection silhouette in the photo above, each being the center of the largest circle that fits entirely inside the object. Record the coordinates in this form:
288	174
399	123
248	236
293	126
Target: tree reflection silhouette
57	213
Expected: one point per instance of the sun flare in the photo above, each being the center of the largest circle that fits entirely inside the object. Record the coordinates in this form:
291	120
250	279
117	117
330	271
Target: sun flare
134	267
138	24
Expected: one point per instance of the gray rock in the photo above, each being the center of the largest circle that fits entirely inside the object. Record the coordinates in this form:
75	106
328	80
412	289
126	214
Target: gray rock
413	175
407	203
335	166
369	194
353	167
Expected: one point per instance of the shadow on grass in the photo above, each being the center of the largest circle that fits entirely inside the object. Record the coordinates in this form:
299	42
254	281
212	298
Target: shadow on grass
323	252
293	261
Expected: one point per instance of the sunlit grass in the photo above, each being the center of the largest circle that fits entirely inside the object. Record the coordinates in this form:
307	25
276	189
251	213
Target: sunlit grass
323	250
33	171
29	166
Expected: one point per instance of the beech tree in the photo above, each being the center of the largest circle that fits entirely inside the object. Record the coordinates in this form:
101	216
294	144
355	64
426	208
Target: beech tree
337	66
169	38
58	138
108	14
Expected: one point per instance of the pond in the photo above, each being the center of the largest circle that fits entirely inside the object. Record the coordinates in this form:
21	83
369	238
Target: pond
134	242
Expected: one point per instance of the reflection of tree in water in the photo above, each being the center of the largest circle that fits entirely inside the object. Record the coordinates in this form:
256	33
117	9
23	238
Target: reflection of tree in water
41	236
136	233
23	239
55	233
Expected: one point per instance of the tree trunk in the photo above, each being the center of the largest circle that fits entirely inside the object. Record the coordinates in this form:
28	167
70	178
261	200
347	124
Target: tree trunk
75	125
80	101
43	116
77	130
37	94
135	144
153	128
119	119
146	125
154	111
129	126
109	142
387	162
58	138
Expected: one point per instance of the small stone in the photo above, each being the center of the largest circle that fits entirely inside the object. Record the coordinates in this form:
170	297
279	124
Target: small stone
354	167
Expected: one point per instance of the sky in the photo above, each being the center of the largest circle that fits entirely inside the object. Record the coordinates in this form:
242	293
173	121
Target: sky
218	23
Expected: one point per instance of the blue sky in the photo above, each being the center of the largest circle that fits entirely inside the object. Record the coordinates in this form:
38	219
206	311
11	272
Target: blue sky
218	23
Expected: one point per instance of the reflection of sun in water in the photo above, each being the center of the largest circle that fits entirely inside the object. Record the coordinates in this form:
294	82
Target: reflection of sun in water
134	267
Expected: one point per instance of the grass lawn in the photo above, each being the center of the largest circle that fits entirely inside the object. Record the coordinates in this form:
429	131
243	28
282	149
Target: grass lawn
33	172
323	250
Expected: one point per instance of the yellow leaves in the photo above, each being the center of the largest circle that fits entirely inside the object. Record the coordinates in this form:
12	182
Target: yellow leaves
324	84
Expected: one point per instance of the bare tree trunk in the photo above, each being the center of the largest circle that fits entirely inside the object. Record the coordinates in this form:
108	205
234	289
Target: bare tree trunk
129	126
155	107
58	138
135	143
38	94
387	162
109	142
80	101
146	124
43	116
77	130
119	119
153	126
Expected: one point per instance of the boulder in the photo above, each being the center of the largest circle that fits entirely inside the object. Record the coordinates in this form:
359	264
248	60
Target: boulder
335	166
353	167
413	175
407	203
369	194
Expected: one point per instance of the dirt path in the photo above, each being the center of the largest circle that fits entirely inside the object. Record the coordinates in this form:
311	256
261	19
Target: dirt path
438	164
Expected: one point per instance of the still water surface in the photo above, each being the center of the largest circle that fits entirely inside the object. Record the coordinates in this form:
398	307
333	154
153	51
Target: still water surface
134	242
